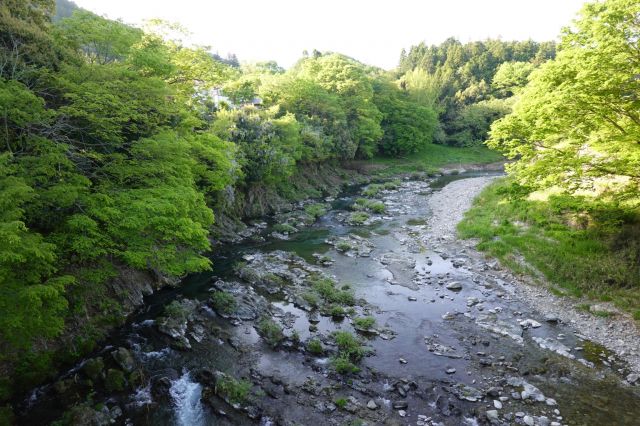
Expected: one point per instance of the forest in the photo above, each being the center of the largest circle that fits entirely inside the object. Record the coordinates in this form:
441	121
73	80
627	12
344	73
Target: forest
120	146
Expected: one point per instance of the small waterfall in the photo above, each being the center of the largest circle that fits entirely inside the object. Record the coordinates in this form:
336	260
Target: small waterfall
186	399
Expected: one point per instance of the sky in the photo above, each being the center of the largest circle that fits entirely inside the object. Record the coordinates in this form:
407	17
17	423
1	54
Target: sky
372	31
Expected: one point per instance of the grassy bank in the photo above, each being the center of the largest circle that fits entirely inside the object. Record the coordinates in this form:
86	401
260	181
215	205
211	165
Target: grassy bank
590	251
432	158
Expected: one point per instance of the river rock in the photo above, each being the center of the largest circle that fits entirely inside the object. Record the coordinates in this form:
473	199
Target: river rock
497	404
371	405
124	359
528	420
93	368
633	378
492	415
530	323
399	405
454	286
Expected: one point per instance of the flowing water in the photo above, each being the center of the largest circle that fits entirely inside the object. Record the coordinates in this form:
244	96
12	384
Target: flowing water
440	353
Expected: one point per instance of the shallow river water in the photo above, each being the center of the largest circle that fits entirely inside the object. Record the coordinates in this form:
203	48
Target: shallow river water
451	343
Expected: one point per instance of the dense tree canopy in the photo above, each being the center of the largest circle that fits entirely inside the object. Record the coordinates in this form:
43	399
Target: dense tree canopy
115	148
455	76
576	125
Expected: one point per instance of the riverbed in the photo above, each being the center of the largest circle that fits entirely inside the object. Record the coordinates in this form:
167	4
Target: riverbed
454	339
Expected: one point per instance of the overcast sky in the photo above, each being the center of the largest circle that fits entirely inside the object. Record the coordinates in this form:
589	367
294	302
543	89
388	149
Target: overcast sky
372	31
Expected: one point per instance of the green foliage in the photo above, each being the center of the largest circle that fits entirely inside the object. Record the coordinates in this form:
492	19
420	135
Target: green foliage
364	323
451	76
343	246
311	298
433	157
337	311
341	403
175	310
350	81
327	290
473	121
236	391
372	205
316	210
584	248
115	381
342	365
575	126
223	302
358	218
269	145
407	125
511	77
350	352
314	346
372	190
284	228
270	332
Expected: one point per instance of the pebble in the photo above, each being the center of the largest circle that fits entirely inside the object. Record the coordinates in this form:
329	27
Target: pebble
492	415
399	405
412	299
497	404
551	402
454	286
402	413
528	420
494	391
544	421
371	405
633	377
530	323
450	370
402	360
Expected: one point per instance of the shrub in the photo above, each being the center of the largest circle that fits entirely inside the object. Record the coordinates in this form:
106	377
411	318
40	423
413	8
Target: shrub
337	311
358	218
349	346
236	391
114	380
364	323
315	346
223	302
372	190
316	210
342	365
377	207
284	228
341	403
311	298
270	332
343	246
392	184
175	310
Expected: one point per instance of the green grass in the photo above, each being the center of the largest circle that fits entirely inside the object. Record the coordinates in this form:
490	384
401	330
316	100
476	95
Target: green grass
223	302
270	332
315	346
316	210
358	218
236	391
341	402
597	259
364	323
432	158
350	353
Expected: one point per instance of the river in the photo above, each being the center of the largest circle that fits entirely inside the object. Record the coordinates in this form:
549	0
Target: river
452	343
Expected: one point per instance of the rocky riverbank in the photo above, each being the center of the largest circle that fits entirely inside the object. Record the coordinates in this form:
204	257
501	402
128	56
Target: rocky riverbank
618	333
373	314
